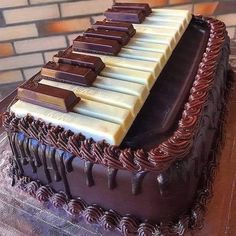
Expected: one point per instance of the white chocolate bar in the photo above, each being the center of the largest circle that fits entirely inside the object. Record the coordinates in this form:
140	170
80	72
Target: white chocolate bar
143	55
121	86
129	63
126	74
105	112
172	12
152	47
154	38
89	126
122	100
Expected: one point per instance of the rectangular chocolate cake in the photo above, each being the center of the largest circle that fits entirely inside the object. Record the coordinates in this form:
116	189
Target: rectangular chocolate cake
122	127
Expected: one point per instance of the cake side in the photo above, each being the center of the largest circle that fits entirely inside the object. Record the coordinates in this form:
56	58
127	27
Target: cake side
31	147
126	225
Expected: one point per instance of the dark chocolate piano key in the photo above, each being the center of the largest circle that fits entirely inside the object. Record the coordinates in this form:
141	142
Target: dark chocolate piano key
96	45
125	15
47	96
68	73
68	57
116	26
144	7
119	36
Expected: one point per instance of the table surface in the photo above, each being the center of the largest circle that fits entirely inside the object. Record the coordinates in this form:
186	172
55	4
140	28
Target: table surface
19	216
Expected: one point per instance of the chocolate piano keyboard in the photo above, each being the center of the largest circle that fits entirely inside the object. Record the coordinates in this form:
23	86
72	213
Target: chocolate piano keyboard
112	94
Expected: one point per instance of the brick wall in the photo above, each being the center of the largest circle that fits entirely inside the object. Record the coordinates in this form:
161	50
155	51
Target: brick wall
31	31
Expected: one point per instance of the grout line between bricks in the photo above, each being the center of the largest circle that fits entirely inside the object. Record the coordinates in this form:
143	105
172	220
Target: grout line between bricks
59	9
14	49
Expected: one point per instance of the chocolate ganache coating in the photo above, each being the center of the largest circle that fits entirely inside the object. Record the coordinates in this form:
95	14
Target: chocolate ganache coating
163	191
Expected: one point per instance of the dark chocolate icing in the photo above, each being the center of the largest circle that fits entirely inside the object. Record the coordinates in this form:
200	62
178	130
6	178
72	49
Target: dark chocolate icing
111	220
159	158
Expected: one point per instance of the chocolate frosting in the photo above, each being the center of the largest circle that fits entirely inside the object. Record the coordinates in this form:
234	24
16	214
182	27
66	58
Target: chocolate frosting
128	224
159	158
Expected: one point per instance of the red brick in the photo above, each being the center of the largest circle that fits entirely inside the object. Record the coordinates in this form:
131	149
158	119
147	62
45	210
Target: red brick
6	50
225	7
152	3
207	8
10	77
179	1
63	26
228	19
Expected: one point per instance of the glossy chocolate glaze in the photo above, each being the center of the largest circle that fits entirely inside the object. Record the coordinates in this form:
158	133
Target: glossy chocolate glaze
170	91
159	196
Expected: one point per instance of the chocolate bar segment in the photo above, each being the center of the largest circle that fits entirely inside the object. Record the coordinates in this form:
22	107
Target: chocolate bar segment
47	96
96	45
68	73
68	57
121	37
144	7
116	26
125	15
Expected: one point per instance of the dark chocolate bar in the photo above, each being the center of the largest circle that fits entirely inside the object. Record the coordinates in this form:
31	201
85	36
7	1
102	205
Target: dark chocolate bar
121	37
68	57
144	7
96	45
117	26
47	96
68	73
125	15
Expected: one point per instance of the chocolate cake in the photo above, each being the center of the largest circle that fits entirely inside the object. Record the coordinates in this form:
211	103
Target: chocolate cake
148	172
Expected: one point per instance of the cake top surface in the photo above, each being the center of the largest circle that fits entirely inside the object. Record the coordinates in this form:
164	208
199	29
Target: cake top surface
113	88
111	68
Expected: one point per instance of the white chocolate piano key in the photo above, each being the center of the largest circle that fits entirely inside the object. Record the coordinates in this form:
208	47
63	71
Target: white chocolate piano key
122	86
152	47
163	24
129	63
143	55
89	126
105	112
137	76
178	30
170	19
154	38
101	95
147	29
170	12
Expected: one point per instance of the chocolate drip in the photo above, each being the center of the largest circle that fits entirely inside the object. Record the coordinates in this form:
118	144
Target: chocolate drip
42	154
67	160
111	172
33	147
163	182
59	155
20	145
137	179
13	140
88	166
28	154
50	154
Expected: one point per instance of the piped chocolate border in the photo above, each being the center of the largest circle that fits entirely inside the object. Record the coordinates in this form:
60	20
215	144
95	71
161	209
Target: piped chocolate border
157	159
